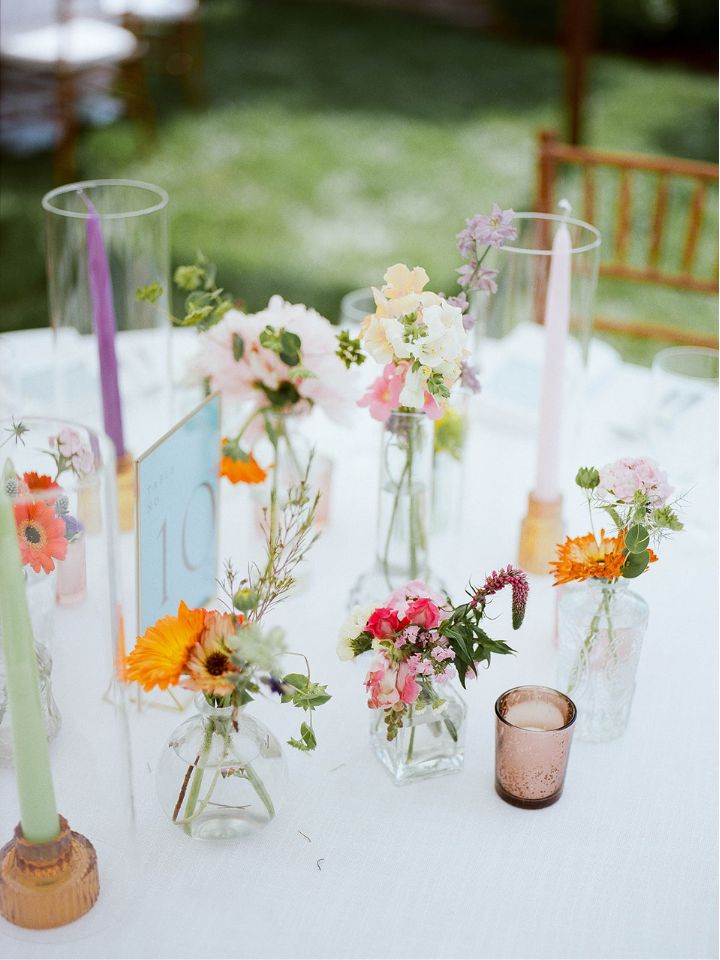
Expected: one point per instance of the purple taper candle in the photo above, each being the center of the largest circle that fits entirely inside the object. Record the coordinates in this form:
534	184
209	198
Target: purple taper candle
104	323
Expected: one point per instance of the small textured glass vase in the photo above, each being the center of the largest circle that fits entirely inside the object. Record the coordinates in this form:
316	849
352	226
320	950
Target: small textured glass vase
222	774
404	508
600	633
430	742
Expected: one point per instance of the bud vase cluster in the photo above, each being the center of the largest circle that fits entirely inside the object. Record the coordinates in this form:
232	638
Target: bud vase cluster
420	641
633	496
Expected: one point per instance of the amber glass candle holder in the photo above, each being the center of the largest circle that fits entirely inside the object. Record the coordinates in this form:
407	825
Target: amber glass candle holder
533	733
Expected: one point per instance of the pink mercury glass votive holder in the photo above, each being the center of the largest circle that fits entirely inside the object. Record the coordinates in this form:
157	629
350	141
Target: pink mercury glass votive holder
533	733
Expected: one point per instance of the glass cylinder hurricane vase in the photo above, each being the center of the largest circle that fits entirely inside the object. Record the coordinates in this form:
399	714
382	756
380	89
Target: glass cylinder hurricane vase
523	270
601	629
222	775
107	269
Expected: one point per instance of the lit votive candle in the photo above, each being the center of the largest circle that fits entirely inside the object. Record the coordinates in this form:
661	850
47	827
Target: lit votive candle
533	733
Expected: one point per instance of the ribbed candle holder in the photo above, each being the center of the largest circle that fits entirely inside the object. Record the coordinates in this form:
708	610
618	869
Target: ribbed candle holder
45	885
541	531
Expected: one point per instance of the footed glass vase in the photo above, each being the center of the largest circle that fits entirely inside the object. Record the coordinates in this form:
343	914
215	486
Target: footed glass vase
601	627
404	509
430	742
222	774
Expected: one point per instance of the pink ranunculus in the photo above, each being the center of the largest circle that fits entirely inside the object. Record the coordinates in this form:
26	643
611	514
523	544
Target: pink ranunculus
407	685
383	623
383	394
423	613
388	685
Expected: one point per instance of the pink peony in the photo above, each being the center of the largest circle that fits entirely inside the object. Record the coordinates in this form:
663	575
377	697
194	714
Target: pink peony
383	623
423	613
623	478
331	386
401	598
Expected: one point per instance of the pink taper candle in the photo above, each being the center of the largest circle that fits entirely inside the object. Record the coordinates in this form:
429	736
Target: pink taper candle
101	296
557	324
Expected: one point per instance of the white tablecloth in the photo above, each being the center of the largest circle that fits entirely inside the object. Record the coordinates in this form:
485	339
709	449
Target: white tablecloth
624	865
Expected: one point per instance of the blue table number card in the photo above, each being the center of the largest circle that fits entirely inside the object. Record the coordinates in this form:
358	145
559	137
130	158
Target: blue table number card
177	516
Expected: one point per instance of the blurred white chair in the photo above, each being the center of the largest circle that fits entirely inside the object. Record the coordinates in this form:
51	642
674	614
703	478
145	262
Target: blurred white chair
60	41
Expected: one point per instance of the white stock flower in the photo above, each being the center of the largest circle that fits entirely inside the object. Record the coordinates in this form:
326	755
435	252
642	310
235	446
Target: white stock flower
413	392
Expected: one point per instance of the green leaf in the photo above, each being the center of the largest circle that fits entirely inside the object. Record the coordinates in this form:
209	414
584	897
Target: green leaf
238	346
635	564
149	293
297	680
308	740
637	539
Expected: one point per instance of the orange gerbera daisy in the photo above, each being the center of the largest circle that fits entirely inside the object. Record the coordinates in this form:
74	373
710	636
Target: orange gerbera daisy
582	558
240	469
160	655
41	534
209	665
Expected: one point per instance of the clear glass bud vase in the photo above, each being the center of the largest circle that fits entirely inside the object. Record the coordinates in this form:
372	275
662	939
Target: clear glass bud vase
222	774
600	631
431	742
404	508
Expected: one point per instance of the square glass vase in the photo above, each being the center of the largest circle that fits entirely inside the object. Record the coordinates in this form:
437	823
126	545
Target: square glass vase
430	742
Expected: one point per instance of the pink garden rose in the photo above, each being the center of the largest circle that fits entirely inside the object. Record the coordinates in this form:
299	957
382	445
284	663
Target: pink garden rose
383	623
388	685
423	613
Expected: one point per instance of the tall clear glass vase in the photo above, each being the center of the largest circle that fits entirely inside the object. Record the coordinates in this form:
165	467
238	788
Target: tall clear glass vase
601	629
404	508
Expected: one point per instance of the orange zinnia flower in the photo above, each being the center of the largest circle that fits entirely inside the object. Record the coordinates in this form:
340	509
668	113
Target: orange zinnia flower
39	481
238	470
582	558
41	535
160	655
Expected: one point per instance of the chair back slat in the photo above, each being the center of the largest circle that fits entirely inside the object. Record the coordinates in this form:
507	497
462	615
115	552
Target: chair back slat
658	222
589	194
657	200
697	209
624	215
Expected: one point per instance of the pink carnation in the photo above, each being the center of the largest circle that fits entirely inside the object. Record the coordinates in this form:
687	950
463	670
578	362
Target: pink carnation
622	479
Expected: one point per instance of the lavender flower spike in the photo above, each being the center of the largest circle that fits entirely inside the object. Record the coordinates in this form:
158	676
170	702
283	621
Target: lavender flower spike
469	377
517	581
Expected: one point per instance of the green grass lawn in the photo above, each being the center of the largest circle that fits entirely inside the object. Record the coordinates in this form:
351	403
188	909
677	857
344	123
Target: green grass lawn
337	140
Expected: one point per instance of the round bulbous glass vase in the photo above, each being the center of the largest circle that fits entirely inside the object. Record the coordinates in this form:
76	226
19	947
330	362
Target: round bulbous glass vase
430	742
222	774
601	627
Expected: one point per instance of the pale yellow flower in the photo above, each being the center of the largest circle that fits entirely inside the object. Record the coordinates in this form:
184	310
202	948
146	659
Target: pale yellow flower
400	281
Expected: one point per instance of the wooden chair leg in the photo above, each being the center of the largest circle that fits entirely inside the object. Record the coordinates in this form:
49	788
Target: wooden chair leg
64	160
136	94
190	44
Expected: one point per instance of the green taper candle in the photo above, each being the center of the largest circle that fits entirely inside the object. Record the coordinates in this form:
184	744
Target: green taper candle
38	813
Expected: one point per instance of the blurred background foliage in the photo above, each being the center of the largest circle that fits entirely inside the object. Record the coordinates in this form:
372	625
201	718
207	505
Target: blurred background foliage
337	139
